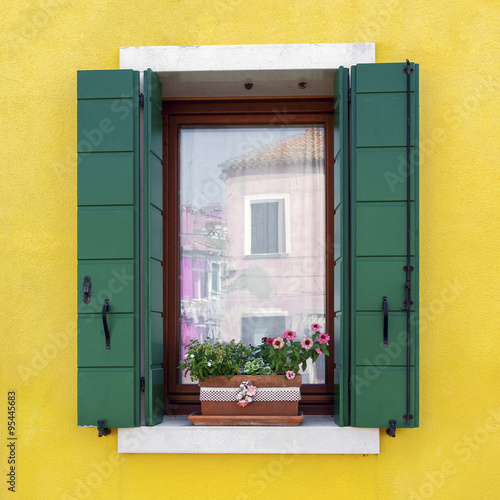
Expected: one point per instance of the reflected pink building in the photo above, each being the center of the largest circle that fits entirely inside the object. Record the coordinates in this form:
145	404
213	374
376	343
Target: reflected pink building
275	239
255	266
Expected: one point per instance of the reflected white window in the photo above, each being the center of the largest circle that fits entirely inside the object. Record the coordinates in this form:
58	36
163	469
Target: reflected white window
215	277
257	326
267	224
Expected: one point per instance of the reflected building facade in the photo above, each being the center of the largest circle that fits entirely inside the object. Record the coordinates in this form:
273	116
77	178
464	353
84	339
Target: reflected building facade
253	262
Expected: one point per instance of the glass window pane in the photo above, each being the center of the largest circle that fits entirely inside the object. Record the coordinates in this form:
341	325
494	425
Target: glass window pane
265	230
252	233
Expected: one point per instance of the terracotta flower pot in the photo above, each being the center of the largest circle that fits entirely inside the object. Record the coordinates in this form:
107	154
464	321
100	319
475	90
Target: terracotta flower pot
275	396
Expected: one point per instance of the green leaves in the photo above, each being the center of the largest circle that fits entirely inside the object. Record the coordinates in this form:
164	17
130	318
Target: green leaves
314	356
204	359
293	356
208	359
256	367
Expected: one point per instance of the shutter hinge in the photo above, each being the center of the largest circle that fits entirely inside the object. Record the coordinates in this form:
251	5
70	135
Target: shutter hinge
143	384
141	100
349	95
391	430
101	430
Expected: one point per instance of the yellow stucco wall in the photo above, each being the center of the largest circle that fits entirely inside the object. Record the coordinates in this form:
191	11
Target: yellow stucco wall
454	453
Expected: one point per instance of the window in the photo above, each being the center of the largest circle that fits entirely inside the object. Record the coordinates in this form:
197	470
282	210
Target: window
254	327
120	223
267	224
248	227
266	227
215	277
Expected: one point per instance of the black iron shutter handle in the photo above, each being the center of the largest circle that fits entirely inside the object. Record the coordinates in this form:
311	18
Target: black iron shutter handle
385	306
105	309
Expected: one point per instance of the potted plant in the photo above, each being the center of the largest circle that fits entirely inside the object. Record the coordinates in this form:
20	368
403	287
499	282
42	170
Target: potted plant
252	384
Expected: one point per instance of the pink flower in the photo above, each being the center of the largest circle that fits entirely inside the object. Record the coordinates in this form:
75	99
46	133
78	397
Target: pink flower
251	390
290	375
318	350
289	335
315	327
269	341
264	340
323	338
307	343
278	343
242	403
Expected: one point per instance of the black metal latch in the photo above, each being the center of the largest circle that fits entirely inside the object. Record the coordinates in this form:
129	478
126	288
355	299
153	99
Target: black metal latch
103	431
87	289
408	69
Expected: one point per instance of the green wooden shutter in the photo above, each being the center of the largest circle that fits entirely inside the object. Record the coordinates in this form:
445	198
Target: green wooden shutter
108	246
120	248
153	249
378	244
341	248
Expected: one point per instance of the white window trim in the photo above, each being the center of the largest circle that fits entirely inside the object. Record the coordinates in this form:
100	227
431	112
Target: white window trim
213	71
285	200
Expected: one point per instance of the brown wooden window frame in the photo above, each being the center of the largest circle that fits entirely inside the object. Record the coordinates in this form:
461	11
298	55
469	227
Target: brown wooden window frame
182	399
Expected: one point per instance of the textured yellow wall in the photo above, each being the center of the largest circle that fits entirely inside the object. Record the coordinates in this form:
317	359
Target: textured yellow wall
454	454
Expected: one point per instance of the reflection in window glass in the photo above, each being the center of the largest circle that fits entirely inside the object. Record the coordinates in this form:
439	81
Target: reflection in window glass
253	328
252	233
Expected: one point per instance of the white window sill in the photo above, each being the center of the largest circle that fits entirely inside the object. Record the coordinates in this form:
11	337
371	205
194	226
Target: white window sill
315	435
